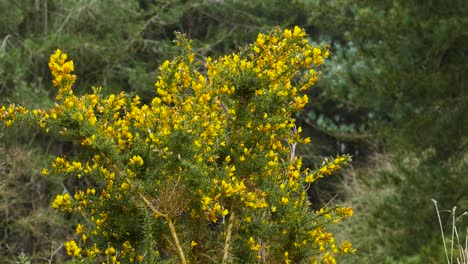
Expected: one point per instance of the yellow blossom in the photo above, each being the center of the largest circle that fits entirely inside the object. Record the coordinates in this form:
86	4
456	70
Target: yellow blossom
72	248
62	203
79	229
136	159
110	251
287	33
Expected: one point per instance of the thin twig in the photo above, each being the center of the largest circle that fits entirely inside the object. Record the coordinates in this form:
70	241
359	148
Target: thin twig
176	240
148	203
228	239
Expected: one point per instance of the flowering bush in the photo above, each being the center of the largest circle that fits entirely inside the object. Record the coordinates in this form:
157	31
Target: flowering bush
206	172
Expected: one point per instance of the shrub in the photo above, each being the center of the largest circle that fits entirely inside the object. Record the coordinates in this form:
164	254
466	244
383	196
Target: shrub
206	172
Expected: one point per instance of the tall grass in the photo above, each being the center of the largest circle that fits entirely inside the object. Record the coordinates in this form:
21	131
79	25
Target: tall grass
394	216
458	248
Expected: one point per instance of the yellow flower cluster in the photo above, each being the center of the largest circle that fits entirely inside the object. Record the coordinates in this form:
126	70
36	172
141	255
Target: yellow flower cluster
346	247
136	160
327	168
63	203
62	70
213	151
72	248
9	114
253	244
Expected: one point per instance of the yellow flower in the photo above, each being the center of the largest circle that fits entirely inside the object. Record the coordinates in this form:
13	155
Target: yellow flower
225	212
72	248
253	245
110	251
298	32
62	203
136	159
287	34
286	258
346	247
124	186
79	229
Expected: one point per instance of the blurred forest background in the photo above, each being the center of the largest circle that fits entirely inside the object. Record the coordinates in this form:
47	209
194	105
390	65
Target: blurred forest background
394	95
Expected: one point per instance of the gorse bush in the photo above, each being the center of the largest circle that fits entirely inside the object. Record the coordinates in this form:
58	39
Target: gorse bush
206	172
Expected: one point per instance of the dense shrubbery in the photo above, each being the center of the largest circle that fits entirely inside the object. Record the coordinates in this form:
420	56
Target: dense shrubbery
392	95
205	172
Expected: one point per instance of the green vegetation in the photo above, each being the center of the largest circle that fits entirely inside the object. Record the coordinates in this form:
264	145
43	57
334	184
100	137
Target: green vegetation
392	95
398	77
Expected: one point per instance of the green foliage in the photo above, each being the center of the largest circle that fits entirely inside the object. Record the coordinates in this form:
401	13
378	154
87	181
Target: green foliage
120	43
400	68
396	81
23	259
